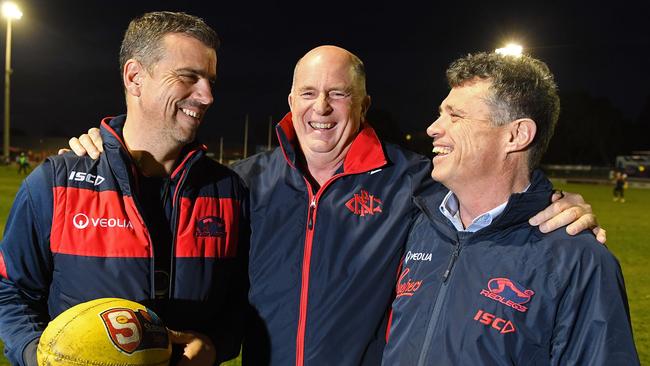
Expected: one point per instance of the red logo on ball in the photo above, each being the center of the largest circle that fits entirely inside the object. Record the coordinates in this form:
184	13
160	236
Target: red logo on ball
123	328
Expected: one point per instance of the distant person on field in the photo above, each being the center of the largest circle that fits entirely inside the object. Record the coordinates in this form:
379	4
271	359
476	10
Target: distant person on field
23	164
620	183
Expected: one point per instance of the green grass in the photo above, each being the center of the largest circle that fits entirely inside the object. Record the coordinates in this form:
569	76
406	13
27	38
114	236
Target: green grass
627	224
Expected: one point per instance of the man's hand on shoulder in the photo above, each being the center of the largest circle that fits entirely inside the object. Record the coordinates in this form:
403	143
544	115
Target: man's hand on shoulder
568	209
89	143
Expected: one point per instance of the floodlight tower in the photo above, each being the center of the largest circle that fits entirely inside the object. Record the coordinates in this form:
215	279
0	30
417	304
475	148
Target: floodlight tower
10	11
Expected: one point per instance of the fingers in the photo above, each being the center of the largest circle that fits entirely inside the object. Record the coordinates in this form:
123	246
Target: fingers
198	349
178	337
96	138
62	151
558	216
601	234
76	147
89	145
582	222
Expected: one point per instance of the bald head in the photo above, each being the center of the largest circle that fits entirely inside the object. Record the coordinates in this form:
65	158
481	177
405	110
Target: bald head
333	56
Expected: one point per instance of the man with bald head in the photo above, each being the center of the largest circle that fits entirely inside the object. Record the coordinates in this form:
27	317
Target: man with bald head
330	210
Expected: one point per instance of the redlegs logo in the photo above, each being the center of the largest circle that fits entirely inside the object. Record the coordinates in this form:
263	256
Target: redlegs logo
509	293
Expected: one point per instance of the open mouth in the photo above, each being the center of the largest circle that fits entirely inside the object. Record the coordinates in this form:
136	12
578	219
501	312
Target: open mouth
322	125
191	113
442	150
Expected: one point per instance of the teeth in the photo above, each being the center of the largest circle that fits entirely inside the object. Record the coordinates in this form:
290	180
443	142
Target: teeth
322	126
190	113
441	150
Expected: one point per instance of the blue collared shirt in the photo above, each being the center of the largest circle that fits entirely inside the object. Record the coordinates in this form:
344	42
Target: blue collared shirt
449	208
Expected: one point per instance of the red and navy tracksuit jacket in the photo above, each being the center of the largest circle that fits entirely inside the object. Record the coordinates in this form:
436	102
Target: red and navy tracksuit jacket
508	294
323	264
76	233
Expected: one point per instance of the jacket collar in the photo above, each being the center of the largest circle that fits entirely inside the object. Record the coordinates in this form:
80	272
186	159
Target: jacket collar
520	207
365	154
111	132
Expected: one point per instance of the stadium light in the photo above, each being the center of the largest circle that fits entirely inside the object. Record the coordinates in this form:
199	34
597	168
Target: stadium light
511	49
11	12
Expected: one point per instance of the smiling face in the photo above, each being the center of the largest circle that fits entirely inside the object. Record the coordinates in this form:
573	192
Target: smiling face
468	148
176	91
328	102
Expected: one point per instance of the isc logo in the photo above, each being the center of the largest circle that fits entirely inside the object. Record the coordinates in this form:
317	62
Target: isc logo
86	177
502	325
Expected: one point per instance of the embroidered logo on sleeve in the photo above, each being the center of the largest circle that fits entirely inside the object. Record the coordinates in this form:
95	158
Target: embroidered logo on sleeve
364	203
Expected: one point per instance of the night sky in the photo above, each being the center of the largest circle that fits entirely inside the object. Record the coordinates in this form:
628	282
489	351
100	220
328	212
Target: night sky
66	75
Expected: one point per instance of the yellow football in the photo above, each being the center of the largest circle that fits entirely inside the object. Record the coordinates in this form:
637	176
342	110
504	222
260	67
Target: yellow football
105	332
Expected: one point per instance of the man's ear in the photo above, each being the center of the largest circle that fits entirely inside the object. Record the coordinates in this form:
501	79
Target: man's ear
133	75
290	99
365	105
521	134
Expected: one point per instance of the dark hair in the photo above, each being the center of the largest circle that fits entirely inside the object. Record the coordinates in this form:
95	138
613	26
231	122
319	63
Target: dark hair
142	40
522	87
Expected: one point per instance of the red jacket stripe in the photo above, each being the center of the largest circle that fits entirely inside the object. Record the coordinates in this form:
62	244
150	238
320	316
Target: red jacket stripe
3	268
97	224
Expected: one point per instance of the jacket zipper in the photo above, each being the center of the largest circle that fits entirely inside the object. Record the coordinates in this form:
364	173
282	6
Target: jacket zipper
304	284
139	211
173	222
435	314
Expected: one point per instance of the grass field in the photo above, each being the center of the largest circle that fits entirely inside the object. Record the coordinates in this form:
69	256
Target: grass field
627	224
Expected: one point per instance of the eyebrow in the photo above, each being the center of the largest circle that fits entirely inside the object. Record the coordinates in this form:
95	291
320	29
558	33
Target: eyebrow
452	110
201	73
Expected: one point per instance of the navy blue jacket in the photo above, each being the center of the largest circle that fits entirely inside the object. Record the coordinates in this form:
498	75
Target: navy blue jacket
507	294
323	264
76	232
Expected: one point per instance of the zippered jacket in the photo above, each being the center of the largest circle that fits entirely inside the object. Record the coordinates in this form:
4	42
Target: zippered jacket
323	264
508	294
76	232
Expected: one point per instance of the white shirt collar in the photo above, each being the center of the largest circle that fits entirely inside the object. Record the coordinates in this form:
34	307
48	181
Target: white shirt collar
449	208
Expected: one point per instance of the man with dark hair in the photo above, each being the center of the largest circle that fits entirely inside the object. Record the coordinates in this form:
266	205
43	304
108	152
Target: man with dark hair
478	284
330	213
153	220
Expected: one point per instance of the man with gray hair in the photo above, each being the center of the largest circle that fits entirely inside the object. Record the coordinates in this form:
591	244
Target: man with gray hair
479	285
153	220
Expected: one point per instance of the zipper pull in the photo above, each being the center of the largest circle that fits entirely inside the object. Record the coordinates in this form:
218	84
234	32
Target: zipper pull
452	260
312	206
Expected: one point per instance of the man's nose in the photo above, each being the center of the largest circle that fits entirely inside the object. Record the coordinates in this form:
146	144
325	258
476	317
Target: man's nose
434	128
322	105
204	92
